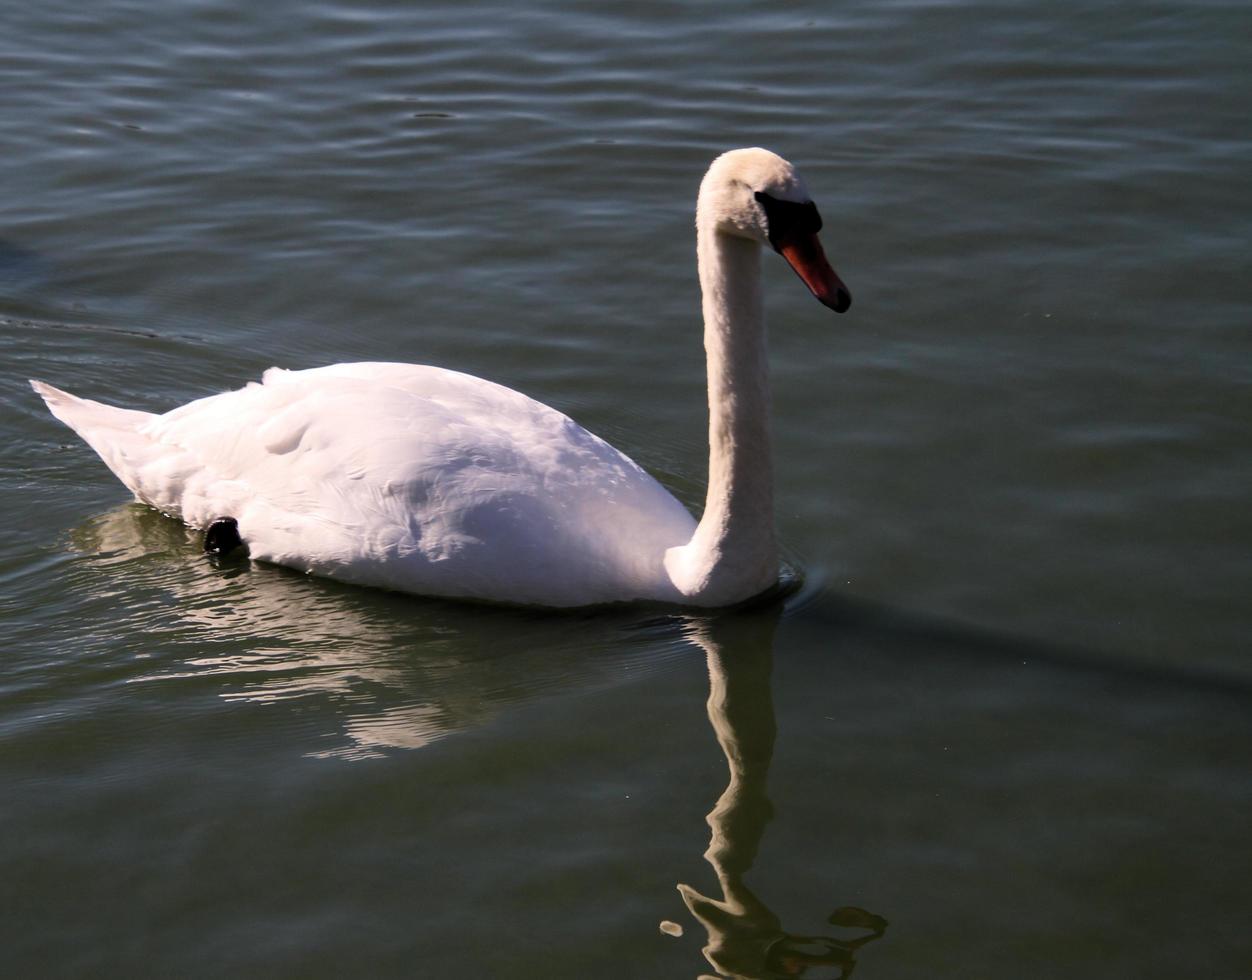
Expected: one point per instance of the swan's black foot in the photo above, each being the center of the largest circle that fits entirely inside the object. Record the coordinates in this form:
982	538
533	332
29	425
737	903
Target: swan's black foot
222	536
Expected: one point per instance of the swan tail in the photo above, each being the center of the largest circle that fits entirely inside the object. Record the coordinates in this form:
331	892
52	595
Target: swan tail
114	433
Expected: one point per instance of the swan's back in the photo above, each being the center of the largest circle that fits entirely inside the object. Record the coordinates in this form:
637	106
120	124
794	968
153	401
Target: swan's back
413	478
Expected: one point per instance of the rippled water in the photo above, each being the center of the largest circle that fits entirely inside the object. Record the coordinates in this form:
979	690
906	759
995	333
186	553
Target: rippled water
1001	731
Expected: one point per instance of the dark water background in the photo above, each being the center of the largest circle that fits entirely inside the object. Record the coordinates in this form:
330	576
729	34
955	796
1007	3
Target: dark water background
1008	713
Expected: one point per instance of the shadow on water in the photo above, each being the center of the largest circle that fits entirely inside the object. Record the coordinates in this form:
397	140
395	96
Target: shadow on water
936	636
745	938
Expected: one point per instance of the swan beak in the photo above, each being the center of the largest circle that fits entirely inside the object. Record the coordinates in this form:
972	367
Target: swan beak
804	254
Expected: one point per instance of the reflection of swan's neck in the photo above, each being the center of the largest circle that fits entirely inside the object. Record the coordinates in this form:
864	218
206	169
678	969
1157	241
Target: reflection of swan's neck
745	938
732	555
742	715
741	928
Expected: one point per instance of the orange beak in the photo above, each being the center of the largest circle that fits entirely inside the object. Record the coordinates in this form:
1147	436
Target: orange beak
804	254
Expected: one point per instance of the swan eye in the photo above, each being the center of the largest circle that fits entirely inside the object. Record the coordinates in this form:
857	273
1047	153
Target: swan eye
788	220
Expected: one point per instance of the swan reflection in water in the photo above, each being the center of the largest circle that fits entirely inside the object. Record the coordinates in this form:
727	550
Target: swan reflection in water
745	939
387	672
372	672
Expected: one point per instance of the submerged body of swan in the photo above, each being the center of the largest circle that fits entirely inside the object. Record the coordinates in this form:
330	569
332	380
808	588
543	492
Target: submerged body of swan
429	481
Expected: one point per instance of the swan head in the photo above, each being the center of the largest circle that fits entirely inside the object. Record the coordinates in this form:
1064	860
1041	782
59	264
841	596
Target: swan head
757	195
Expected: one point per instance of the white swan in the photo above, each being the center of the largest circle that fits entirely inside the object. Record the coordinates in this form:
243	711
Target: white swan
430	481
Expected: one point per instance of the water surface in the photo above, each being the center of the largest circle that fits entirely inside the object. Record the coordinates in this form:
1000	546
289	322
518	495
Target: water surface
1001	731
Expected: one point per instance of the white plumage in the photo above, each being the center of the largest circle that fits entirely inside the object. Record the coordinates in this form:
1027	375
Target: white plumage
402	476
430	481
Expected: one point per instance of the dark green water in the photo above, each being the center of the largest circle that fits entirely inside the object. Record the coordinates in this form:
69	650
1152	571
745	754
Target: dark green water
1008	716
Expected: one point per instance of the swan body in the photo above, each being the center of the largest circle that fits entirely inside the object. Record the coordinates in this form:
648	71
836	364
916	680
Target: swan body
426	480
402	476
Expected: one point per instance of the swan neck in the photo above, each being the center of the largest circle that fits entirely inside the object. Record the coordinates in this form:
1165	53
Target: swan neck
733	555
